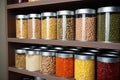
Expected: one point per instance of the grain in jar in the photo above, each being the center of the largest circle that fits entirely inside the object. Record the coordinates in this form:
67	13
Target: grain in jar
34	31
64	64
85	25
109	24
65	25
48	25
84	66
20	58
48	62
33	60
21	26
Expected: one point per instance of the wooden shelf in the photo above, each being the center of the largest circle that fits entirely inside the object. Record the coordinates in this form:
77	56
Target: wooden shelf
49	77
67	43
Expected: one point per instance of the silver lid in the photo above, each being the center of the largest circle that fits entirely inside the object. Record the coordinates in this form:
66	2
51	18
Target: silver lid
43	47
64	55
46	53
65	12
108	9
85	11
21	51
34	15
26	48
47	14
74	49
52	50
39	78
88	53
84	57
21	16
30	52
58	48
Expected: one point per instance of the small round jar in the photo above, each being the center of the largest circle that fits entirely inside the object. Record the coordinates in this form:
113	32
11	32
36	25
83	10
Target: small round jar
64	64
20	58
48	62
85	24
33	60
48	25
21	26
108	67
65	25
109	24
34	26
84	66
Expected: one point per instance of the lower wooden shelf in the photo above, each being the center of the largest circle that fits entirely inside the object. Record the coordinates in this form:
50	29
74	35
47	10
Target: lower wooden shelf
48	77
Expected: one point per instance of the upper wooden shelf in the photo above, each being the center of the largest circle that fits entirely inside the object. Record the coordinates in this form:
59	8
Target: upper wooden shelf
67	43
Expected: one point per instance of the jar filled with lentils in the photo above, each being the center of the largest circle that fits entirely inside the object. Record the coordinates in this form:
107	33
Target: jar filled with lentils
109	24
21	26
85	24
65	25
48	25
34	26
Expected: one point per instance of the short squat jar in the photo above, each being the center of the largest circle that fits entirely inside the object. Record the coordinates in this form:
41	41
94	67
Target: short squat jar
20	58
84	66
21	26
65	25
108	67
85	24
34	26
109	24
48	25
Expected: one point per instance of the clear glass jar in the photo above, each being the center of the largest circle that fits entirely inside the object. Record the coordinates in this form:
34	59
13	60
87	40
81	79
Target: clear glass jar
48	62
34	26
65	25
84	66
108	67
109	24
64	64
86	24
48	25
20	58
33	60
21	26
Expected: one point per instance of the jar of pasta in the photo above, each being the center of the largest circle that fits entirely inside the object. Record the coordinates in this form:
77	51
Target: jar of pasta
21	26
48	25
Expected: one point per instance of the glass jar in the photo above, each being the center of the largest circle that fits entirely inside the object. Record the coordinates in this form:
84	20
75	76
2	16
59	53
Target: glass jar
48	62
20	1
33	60
20	58
85	24
34	26
33	0
21	26
64	64
109	24
48	25
65	25
108	67
84	66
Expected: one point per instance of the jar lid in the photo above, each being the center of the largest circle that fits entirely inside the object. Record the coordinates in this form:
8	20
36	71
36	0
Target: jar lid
47	14
85	11
34	15
43	47
47	53
39	78
73	49
65	12
21	51
65	54
37	51
26	48
87	53
21	16
108	9
31	52
93	50
84	57
58	48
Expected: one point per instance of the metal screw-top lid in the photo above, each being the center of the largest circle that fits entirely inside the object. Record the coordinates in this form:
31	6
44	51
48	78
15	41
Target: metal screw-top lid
65	12
93	50
21	16
85	11
26	48
47	53
39	78
108	9
21	51
34	15
31	52
65	54
73	49
52	50
43	47
47	14
32	47
58	48
37	51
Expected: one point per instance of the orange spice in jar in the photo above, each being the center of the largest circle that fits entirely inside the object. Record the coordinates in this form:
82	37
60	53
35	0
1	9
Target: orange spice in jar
64	65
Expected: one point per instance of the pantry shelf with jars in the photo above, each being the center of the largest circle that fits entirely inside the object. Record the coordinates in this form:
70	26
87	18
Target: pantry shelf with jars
52	39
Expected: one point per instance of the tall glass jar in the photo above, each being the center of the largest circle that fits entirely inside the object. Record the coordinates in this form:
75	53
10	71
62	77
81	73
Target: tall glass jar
65	25
85	24
109	24
34	26
21	26
48	25
33	60
20	58
108	67
84	66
